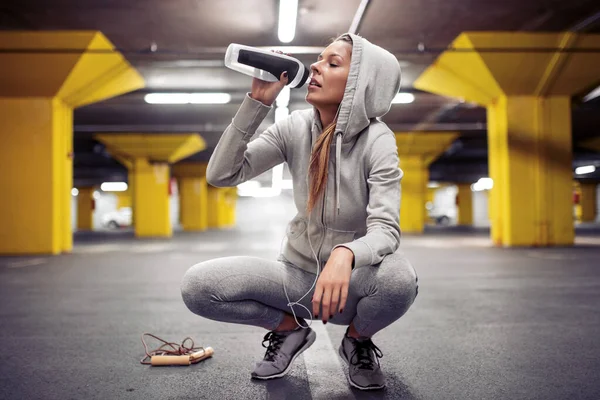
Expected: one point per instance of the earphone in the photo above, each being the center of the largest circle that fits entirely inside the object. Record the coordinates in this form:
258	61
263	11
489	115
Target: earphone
291	304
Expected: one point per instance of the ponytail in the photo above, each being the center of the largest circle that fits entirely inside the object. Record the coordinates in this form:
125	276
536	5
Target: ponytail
319	165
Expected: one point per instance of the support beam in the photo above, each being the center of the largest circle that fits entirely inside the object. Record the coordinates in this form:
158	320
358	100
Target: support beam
464	203
85	209
416	152
586	209
151	202
193	195
38	92
147	156
529	123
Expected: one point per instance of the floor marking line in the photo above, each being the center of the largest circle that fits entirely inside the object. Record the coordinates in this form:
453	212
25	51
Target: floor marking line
326	377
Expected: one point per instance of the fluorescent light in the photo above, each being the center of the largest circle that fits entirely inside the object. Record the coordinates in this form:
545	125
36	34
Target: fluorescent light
113	187
433	185
592	95
167	98
288	11
187	98
403	98
74	192
588	169
210	98
482	184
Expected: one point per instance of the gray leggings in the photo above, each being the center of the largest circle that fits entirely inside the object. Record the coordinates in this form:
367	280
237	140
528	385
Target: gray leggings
249	290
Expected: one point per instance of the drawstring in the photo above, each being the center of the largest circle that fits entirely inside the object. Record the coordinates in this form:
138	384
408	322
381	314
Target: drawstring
338	167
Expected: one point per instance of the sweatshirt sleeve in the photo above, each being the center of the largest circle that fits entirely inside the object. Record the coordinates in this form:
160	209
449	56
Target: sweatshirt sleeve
236	158
383	210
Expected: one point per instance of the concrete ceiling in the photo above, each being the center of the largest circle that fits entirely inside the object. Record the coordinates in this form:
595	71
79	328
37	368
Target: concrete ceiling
178	45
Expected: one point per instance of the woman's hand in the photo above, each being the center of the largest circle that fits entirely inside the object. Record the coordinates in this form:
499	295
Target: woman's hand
332	285
267	92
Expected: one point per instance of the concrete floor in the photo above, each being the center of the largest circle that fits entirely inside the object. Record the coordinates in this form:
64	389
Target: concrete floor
489	323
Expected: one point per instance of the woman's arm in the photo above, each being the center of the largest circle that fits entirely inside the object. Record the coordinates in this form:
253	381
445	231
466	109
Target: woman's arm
383	210
236	159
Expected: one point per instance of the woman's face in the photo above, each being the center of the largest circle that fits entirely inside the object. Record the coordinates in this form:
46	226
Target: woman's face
329	75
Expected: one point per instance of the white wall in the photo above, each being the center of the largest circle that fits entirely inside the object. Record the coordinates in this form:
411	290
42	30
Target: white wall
105	202
481	216
444	203
73	213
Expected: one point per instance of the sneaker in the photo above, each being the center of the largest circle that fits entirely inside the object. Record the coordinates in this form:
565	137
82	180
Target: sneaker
282	350
362	357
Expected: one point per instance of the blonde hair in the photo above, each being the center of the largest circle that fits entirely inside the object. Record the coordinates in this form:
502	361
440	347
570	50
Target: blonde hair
319	159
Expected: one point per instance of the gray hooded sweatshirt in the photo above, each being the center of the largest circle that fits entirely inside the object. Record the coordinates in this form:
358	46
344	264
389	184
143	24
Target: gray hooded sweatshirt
361	203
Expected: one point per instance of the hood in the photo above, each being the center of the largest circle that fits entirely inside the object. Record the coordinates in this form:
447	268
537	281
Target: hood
373	81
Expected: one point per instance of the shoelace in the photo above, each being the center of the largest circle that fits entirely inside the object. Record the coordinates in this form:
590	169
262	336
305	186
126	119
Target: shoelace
362	356
275	341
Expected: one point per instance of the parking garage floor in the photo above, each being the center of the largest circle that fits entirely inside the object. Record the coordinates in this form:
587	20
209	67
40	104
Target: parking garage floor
489	323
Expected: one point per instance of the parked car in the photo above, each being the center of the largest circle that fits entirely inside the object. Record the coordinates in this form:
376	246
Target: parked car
117	219
442	216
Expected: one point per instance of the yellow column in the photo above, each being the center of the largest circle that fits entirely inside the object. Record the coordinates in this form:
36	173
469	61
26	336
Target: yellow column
530	164
193	195
217	212
193	198
416	152
85	209
529	123
38	92
151	183
124	198
36	178
588	202
131	190
414	190
465	204
149	180
231	202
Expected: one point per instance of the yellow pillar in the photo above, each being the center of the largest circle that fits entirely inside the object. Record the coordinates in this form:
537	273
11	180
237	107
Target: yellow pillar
416	152
151	182
530	164
38	92
529	123
124	198
465	204
85	209
147	157
218	212
587	202
193	195
414	189
230	202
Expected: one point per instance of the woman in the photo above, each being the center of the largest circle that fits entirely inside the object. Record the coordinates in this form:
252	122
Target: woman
341	257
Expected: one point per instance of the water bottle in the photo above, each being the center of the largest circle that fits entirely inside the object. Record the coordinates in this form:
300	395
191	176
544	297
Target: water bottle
266	65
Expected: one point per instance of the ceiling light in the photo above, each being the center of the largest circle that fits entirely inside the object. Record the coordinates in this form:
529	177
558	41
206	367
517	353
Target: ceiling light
113	187
403	98
288	11
482	184
588	169
592	95
74	192
187	98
